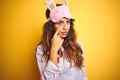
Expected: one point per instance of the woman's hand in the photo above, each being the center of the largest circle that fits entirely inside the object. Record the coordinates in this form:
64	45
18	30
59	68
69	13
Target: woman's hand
56	43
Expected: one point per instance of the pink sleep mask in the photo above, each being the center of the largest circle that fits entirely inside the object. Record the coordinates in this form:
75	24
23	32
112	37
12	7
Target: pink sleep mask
58	12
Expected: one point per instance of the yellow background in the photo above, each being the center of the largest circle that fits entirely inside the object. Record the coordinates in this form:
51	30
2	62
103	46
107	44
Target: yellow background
97	26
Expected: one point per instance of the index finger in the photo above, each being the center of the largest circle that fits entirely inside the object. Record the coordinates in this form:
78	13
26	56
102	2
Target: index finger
56	33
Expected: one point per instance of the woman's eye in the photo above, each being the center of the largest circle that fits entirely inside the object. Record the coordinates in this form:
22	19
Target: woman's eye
60	23
68	22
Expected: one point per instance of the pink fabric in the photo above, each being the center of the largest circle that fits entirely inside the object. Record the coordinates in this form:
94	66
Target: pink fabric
59	12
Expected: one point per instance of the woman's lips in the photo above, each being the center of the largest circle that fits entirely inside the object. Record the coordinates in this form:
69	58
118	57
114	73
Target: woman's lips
64	33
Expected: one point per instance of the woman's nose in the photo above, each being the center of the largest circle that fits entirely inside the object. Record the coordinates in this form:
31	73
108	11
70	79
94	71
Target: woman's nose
65	26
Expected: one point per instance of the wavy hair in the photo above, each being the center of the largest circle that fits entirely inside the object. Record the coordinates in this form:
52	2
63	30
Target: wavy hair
71	47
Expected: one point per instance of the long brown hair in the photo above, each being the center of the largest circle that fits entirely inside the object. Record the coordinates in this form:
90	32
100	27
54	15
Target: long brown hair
71	47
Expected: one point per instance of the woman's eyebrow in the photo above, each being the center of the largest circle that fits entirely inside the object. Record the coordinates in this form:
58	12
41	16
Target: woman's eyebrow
68	21
61	21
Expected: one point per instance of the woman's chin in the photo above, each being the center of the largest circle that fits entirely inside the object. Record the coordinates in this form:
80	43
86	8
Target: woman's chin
63	36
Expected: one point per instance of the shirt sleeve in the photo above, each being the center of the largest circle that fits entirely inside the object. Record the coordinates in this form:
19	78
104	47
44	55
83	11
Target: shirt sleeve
84	74
47	70
83	68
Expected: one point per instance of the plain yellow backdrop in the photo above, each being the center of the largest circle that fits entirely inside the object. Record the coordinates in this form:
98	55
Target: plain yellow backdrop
97	26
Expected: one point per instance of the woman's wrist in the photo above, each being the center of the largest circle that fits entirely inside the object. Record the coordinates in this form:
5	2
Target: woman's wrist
53	56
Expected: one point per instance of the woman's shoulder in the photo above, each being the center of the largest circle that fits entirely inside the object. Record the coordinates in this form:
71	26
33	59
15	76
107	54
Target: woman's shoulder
39	46
39	50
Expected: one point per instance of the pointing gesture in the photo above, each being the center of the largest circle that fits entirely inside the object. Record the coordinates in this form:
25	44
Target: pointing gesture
56	43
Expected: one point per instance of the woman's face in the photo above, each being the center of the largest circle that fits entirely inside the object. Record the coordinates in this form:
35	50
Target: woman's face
64	26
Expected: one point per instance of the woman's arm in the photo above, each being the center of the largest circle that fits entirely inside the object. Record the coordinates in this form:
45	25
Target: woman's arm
84	74
48	70
56	43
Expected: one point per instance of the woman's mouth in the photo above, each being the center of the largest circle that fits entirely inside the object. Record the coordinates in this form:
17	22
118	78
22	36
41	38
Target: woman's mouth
64	33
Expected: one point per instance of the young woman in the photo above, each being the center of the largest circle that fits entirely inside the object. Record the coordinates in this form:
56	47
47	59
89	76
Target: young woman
60	54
